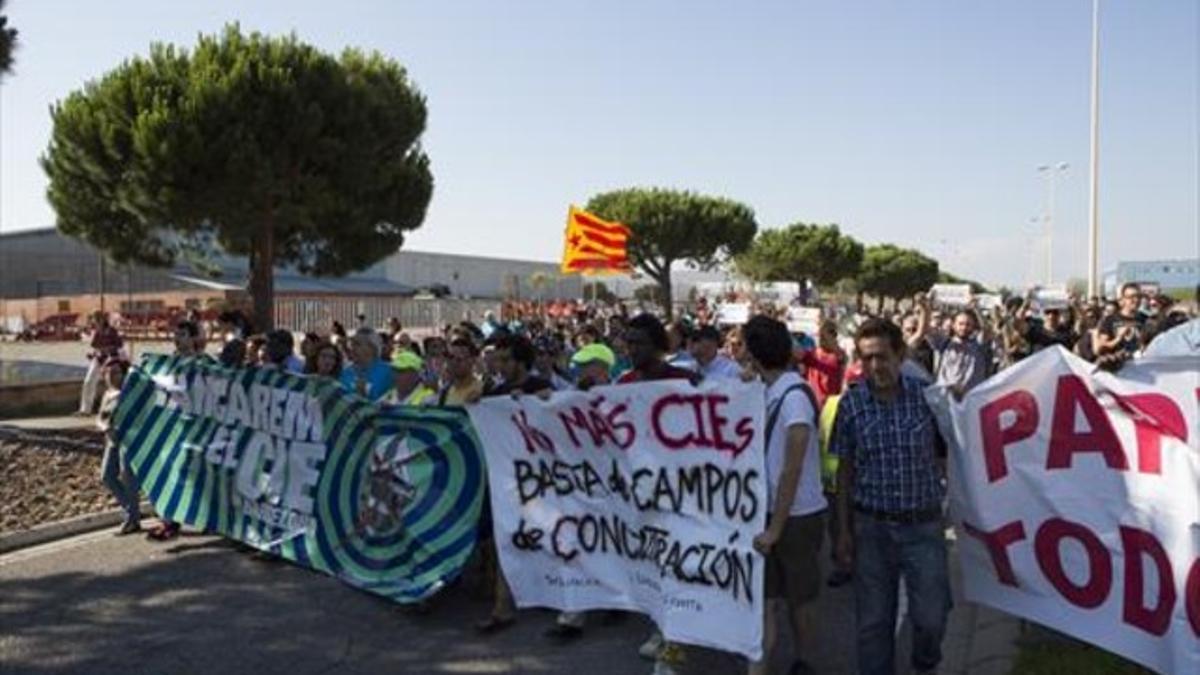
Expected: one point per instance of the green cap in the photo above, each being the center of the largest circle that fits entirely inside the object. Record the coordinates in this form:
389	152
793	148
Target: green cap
594	352
406	360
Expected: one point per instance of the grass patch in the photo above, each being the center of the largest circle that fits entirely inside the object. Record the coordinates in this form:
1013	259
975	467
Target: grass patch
1072	658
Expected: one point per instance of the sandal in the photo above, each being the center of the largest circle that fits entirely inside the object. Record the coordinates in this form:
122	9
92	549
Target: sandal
164	532
494	624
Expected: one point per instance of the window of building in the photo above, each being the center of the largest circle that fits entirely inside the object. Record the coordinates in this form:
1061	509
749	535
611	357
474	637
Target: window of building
64	306
191	303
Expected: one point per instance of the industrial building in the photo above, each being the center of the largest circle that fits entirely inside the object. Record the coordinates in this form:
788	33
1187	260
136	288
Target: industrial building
1171	276
44	274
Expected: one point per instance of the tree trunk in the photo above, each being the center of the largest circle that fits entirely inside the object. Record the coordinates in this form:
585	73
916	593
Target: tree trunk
879	305
262	279
664	295
662	276
860	299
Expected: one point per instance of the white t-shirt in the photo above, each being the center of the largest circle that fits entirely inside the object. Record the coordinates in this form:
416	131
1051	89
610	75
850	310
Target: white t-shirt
796	409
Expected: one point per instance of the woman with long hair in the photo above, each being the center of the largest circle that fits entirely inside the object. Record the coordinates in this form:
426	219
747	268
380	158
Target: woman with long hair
325	362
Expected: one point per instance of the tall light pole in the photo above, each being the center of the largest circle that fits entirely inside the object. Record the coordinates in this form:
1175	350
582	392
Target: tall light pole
1050	172
1094	163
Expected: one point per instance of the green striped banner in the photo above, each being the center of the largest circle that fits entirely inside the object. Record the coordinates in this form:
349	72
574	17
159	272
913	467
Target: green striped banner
386	498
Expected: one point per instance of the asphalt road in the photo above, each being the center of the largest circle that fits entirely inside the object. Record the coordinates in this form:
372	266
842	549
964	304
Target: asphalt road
100	604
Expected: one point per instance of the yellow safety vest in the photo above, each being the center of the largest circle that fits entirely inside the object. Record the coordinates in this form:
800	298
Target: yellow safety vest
829	462
418	395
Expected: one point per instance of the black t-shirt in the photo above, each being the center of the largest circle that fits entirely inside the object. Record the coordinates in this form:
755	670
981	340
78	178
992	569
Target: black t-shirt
530	385
1040	338
1112	326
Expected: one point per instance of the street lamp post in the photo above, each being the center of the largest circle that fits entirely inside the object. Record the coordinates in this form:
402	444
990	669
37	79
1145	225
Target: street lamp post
1050	172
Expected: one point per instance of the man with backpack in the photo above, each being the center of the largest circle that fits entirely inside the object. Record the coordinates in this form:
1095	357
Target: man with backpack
796	504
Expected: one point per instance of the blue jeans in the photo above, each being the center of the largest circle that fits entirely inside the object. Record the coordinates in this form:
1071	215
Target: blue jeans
883	553
117	477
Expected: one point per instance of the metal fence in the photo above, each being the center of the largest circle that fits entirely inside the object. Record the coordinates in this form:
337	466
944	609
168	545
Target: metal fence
317	314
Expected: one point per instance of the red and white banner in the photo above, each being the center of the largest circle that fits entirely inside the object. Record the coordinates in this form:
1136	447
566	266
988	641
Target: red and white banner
1076	498
644	497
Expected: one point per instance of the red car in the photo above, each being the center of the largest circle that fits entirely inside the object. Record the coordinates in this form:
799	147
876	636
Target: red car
54	327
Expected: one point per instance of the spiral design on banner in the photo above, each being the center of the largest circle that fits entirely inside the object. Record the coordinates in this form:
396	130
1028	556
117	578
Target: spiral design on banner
397	498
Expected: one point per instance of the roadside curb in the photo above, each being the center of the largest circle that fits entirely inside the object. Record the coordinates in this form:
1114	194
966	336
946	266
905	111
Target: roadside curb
65	528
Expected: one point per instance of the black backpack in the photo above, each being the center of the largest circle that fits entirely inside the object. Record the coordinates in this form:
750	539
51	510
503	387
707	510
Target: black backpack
773	414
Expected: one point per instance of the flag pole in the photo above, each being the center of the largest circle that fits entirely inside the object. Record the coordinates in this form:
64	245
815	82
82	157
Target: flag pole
1094	164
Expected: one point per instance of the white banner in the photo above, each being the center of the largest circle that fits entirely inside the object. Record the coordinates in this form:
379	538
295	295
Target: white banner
1052	297
805	320
989	301
733	313
951	295
1076	495
643	497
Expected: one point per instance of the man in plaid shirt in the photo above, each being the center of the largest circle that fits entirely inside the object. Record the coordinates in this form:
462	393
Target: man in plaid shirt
889	504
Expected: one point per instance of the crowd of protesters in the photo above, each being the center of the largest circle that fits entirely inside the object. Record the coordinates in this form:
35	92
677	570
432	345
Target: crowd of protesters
853	454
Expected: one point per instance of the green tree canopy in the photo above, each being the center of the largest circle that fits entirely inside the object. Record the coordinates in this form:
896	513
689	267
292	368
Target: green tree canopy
669	226
264	147
8	43
799	251
894	272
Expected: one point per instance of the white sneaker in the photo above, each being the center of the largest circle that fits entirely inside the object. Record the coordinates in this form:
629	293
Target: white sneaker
650	648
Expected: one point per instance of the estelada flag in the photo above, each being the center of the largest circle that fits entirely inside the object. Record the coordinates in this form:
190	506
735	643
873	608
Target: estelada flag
594	246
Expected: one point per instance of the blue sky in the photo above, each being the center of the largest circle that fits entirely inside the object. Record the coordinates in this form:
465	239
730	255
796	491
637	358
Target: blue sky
919	122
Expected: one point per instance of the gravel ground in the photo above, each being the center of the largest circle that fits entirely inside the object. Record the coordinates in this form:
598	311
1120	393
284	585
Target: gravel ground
48	476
